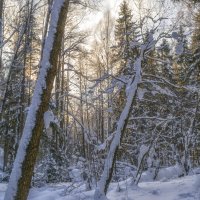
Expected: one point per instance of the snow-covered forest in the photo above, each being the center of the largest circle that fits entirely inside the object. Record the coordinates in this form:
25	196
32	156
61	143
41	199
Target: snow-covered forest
99	99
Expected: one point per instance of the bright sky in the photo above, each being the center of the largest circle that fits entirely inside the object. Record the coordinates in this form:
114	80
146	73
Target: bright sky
93	18
169	11
113	6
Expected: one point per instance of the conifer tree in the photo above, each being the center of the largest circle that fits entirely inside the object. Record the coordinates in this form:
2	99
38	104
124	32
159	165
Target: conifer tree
194	73
124	53
124	34
164	54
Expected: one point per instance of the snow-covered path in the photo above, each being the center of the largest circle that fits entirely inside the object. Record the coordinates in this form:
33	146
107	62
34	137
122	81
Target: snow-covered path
176	189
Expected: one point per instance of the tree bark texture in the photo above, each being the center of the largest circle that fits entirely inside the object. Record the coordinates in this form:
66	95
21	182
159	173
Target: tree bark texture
19	190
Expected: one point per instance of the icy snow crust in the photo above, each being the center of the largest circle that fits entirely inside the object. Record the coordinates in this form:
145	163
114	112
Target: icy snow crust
36	100
176	189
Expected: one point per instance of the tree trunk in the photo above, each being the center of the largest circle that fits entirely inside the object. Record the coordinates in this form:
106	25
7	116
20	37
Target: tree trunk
120	129
21	175
81	109
1	30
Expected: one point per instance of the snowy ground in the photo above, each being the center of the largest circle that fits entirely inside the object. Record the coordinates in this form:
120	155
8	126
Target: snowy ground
175	189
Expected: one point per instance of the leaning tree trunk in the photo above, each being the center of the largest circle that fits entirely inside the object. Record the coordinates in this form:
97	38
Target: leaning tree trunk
21	175
106	176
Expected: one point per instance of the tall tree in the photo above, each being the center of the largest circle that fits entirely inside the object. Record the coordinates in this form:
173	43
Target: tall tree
15	96
21	175
1	29
124	34
194	71
121	124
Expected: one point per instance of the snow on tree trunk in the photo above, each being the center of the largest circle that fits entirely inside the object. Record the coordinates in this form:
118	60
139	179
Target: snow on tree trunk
121	126
21	175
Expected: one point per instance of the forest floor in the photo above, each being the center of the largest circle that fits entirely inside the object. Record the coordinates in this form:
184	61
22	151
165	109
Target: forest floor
175	189
167	188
